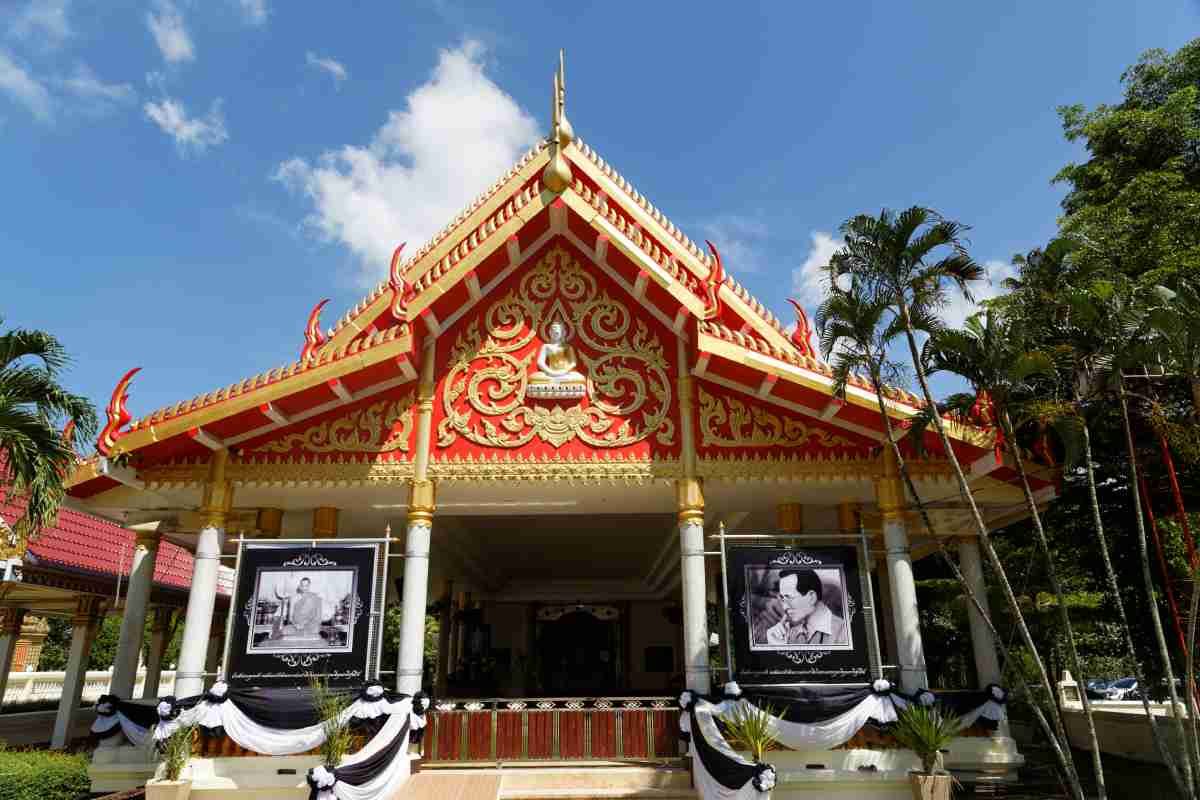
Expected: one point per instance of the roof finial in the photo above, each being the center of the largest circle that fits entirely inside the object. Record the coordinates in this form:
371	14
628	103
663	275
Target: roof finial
557	175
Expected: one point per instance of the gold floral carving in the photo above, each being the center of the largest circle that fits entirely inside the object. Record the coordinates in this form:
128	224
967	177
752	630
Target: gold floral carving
381	427
628	387
728	422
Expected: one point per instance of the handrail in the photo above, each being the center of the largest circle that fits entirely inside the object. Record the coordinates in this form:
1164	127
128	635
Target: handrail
496	729
35	687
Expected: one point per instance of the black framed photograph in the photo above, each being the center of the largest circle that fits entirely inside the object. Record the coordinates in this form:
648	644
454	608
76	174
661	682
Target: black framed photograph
798	615
305	610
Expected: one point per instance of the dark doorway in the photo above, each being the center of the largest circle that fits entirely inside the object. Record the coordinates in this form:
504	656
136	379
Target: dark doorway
580	654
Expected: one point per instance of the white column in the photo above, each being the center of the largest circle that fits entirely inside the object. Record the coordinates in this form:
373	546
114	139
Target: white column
910	651
11	620
83	631
158	648
133	622
416	588
189	675
691	564
212	660
987	663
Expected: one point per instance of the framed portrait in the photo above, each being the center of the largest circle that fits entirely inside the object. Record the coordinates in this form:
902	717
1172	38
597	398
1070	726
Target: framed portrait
303	610
800	615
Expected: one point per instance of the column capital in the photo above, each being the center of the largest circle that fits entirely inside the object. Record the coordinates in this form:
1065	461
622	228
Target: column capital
161	620
689	499
422	501
147	540
88	610
11	620
790	517
325	522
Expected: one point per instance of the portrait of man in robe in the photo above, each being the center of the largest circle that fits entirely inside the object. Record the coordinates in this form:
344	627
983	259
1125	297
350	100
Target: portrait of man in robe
303	611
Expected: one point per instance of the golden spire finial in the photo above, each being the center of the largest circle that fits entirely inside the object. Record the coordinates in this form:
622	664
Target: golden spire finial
557	175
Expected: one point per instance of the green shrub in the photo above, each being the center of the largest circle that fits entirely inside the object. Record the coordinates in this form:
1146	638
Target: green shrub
43	775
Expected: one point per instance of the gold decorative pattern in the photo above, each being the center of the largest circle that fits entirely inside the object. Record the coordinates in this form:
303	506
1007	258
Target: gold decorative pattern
381	427
614	469
628	389
728	422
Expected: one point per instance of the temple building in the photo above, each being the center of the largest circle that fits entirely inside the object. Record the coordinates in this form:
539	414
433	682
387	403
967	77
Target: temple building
553	404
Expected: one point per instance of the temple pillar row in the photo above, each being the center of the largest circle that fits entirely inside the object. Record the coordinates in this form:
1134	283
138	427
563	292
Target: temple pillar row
89	611
910	650
695	609
198	622
133	620
416	587
160	629
987	663
11	620
418	532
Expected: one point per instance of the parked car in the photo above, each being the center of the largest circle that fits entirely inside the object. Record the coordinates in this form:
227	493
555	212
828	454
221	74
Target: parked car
1122	689
1096	687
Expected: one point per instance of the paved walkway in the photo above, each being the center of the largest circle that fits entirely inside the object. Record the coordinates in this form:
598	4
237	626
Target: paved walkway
433	785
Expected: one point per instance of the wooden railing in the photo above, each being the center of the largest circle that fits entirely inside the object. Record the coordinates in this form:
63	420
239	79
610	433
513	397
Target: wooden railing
553	728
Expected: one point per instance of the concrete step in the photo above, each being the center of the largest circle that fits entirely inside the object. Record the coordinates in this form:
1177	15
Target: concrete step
575	782
446	785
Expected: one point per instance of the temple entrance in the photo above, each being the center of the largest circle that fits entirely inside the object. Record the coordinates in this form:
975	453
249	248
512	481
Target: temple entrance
580	649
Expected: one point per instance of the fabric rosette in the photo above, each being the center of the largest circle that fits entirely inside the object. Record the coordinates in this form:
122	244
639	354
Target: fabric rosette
925	697
321	780
106	706
764	781
881	686
686	698
217	693
997	693
731	691
168	708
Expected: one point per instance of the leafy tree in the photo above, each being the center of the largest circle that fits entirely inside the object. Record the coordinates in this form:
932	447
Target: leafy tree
1132	204
40	424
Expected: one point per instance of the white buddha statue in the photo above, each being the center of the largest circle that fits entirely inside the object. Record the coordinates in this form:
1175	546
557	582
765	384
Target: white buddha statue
556	360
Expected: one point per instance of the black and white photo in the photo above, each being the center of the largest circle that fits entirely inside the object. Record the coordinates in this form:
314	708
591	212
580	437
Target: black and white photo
798	608
797	615
305	611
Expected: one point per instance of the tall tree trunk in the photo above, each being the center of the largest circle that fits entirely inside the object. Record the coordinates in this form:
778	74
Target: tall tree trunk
1184	787
968	496
1195	382
1055	736
1160	638
1194	603
1063	616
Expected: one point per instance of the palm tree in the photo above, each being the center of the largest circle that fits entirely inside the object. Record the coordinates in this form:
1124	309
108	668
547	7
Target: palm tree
856	331
992	354
903	262
36	454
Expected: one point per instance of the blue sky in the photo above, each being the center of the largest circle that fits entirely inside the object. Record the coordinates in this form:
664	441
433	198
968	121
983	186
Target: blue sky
184	180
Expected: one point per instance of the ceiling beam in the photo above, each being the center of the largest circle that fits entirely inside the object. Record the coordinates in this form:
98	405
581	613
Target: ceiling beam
201	436
271	412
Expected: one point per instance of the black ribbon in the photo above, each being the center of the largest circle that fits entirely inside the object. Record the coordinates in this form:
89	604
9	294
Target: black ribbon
368	769
730	773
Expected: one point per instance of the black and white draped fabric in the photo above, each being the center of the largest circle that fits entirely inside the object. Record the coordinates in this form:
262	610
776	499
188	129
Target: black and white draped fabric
719	772
376	772
274	721
810	718
133	719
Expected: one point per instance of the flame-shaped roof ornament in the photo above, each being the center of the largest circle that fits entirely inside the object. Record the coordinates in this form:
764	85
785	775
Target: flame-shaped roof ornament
557	175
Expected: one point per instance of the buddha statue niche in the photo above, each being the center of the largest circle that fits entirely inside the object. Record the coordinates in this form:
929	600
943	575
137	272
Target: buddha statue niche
556	377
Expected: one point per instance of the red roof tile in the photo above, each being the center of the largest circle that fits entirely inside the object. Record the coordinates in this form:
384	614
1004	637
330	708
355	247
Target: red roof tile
80	541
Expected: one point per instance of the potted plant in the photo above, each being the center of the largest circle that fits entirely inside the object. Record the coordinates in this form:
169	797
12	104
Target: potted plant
748	727
174	754
330	705
927	731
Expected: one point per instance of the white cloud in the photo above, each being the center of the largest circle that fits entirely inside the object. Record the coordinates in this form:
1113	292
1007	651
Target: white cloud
170	34
254	11
809	279
458	132
191	134
958	308
43	18
86	85
739	239
23	87
334	68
